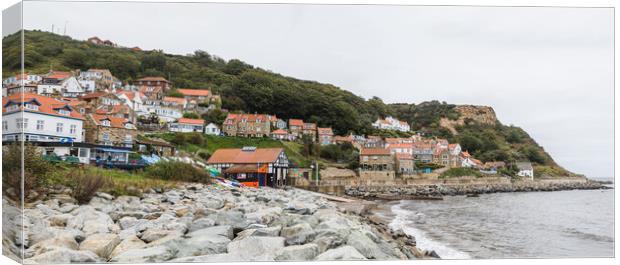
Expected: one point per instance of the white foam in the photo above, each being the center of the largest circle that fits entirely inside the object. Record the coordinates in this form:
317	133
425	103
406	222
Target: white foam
401	221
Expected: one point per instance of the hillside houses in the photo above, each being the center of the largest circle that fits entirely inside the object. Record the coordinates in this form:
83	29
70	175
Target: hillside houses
247	125
95	109
391	123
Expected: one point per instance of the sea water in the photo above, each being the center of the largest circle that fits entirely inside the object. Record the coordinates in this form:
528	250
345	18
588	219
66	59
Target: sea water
560	224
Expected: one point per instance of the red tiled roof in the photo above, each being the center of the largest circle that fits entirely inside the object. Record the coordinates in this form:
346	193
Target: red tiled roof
280	132
48	105
234	118
295	122
115	122
375	151
59	75
192	121
152	78
239	156
325	131
194	92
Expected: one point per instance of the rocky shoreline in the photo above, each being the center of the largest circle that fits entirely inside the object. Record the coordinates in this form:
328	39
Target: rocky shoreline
437	190
202	223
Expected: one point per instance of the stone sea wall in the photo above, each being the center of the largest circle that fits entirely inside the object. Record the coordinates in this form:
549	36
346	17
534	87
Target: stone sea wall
200	223
465	188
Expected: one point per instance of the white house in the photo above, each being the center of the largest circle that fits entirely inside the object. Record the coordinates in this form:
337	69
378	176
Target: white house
44	119
212	129
166	114
89	86
187	125
68	87
391	123
17	80
135	101
525	170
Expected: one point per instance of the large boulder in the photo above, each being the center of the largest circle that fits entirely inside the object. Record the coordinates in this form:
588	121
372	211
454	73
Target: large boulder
200	224
61	241
298	234
231	218
341	253
256	248
64	255
101	244
301	207
131	242
220	230
298	252
367	246
153	234
224	258
127	222
264	216
145	255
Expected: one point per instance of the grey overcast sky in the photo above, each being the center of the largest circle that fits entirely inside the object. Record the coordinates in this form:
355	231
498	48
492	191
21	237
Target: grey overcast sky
547	70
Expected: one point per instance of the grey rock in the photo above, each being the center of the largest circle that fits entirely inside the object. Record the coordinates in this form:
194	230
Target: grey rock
131	242
200	224
341	253
298	252
365	245
298	234
63	255
143	255
101	244
256	248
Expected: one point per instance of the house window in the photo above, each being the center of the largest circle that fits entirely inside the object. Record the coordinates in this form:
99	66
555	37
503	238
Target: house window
22	123
105	123
5	125
72	129
59	127
33	138
106	137
128	138
40	124
31	106
64	112
12	108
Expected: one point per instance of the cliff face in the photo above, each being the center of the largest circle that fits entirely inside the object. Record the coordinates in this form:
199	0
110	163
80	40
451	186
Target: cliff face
479	114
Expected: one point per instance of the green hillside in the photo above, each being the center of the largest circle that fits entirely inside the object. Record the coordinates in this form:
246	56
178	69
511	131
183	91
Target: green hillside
248	88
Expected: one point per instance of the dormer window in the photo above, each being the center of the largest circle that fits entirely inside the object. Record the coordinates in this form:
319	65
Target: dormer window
31	106
64	112
12	108
105	123
128	126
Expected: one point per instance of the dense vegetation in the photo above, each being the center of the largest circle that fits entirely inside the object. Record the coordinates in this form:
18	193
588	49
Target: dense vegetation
247	88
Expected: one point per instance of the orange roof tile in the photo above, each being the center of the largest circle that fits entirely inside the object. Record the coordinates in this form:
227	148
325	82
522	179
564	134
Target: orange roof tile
192	121
115	122
280	132
152	78
295	122
325	131
239	156
375	151
194	92
47	105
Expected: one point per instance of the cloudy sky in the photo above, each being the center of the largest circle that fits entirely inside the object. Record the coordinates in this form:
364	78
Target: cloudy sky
548	70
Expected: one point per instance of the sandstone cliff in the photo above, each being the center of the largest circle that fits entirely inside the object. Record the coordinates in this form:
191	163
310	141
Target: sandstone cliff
479	114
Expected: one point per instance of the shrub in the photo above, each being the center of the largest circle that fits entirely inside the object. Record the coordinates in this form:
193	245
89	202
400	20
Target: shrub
35	170
178	139
195	138
84	186
180	171
460	172
204	155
